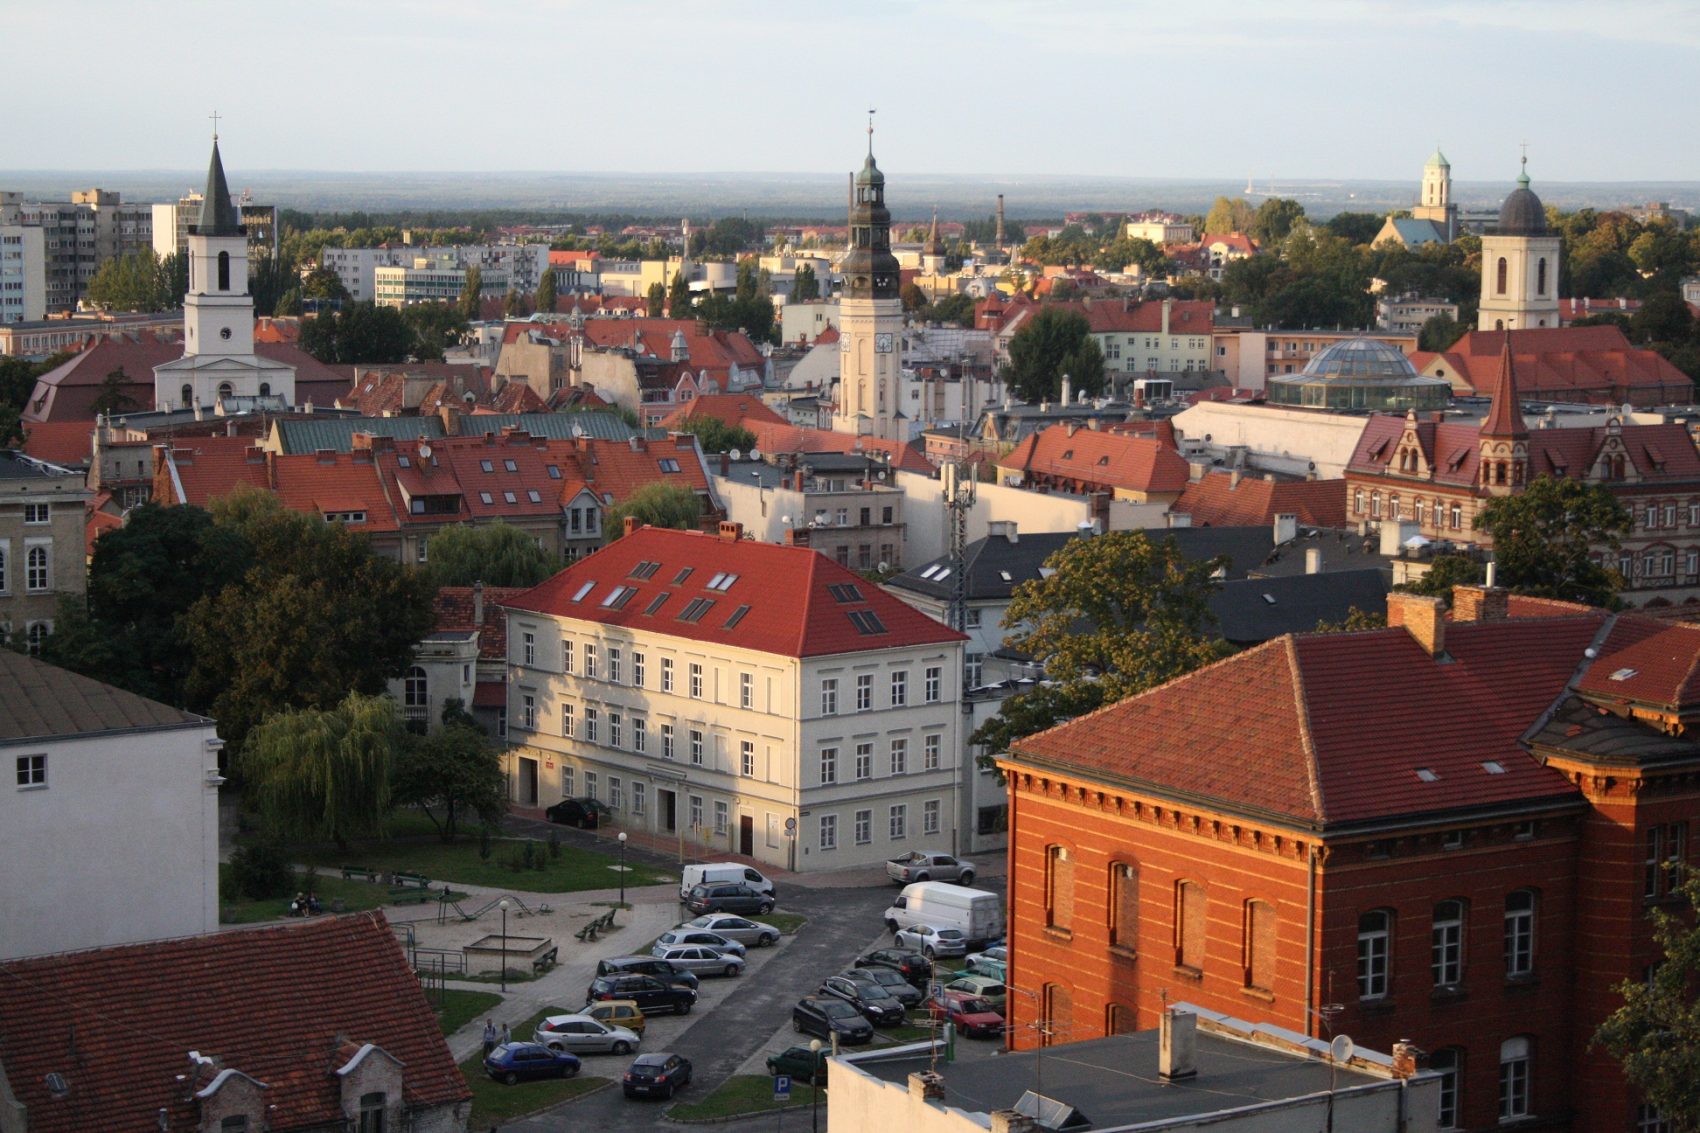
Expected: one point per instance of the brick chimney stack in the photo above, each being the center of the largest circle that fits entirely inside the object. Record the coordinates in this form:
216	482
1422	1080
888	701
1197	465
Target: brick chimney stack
1424	618
1480	604
631	525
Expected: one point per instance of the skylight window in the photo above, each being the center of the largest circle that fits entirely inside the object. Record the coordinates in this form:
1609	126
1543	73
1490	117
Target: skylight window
723	582
655	603
615	595
844	592
583	590
668	464
944	573
404	462
695	609
714	583
1625	674
486	497
531	494
1493	767
510	466
932	569
737	616
1268	597
867	622
684	573
509	498
1005	575
486	466
554	471
1427	775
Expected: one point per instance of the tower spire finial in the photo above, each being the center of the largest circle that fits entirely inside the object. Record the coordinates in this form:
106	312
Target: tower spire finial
214	116
871	113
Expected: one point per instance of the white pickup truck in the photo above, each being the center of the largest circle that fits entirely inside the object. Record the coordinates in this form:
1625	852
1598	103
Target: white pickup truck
925	865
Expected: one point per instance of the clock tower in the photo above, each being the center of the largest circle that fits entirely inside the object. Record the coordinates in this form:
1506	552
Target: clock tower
870	314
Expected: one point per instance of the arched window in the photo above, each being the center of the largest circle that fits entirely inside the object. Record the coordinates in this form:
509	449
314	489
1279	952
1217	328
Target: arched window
1514	1078
1503	271
1541	276
1448	1062
265	389
1358	501
225	389
415	689
1375	932
188	392
35	635
36	575
373	1110
1499	324
224	271
1446	949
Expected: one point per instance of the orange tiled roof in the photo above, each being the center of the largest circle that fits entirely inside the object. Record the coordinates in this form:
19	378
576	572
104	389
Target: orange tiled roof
1097	460
771	438
1216	501
453	607
1593	364
734	409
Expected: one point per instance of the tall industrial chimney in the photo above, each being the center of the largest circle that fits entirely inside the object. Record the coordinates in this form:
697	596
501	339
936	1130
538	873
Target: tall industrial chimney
999	238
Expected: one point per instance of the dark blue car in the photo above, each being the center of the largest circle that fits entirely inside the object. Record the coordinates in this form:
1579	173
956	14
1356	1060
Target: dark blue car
521	1062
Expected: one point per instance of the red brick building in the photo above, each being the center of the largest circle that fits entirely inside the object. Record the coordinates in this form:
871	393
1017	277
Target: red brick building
1451	830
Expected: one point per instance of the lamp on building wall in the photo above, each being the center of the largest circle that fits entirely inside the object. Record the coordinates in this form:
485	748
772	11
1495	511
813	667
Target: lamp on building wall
622	869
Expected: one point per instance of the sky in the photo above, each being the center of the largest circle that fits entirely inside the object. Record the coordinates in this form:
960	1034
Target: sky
1271	89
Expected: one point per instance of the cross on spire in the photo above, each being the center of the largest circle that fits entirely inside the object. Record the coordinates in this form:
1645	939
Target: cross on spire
871	113
214	116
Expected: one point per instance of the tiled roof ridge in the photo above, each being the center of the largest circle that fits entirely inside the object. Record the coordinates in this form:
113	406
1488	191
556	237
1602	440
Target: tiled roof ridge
1301	713
1571	686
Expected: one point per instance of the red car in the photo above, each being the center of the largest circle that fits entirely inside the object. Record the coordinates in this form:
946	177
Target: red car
973	1015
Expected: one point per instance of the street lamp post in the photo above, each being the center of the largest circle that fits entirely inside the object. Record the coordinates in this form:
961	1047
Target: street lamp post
504	905
814	1087
622	868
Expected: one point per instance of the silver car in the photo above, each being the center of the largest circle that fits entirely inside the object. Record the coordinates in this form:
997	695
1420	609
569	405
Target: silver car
700	958
580	1034
933	941
742	930
679	937
929	865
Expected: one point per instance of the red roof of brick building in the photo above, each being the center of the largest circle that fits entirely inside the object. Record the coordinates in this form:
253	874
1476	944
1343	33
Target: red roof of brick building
1086	460
1224	499
1593	364
454	608
1452	455
277	1004
787	600
69	443
734	409
771	438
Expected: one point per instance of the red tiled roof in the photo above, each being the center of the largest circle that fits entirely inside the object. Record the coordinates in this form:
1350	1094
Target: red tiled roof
735	409
453	607
1646	660
489	694
287	329
312	483
789	609
1593	364
1099	460
1659	453
514	397
712	352
273	1003
771	438
1288	723
209	467
1186	316
60	442
1216	501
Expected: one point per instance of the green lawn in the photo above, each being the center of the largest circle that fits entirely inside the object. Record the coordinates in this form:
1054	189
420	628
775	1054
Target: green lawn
744	1094
494	1103
459	863
355	896
456	1008
787	923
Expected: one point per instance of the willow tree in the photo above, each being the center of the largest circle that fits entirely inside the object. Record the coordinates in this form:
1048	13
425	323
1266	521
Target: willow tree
321	775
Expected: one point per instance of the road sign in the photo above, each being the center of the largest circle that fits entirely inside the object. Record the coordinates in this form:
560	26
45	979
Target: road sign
935	989
782	1087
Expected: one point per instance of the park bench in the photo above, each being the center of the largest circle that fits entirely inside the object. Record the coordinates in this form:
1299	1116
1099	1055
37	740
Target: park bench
417	880
349	872
546	961
606	921
588	932
408	895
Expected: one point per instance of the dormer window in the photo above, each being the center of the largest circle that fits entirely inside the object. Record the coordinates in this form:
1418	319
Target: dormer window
372	1112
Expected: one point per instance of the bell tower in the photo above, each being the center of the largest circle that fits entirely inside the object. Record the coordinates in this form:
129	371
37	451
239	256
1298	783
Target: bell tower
870	313
1520	260
1437	203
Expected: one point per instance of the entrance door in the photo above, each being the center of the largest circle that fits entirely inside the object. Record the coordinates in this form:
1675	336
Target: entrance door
527	782
666	802
746	835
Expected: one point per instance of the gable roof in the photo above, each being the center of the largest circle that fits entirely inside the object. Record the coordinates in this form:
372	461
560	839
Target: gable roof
777	438
1100	459
1452	452
273	1003
734	409
1593	364
1292	738
45	702
1218	501
790	607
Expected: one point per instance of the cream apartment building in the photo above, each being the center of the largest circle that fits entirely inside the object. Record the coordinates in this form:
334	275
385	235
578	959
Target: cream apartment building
741	697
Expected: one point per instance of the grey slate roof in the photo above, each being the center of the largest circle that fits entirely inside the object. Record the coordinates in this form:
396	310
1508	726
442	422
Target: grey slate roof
218	216
43	702
19	466
1250	611
557	426
337	433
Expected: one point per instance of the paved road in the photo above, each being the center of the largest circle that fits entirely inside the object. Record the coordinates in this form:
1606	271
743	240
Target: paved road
735	1018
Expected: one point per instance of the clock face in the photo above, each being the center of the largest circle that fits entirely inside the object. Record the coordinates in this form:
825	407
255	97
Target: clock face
882	342
225	333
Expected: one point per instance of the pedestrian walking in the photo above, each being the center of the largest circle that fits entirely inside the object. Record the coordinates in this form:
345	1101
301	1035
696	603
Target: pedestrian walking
506	1038
490	1036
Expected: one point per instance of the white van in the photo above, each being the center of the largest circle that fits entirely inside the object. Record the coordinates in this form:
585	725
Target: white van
710	873
975	913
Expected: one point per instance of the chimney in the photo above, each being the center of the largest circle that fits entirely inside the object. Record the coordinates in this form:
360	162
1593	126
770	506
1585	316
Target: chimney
630	526
1233	479
1423	617
999	237
477	604
1405	1058
927	1085
1286	528
1009	1121
731	532
1168	308
1067	390
1313	560
725	463
1480	604
1177	1042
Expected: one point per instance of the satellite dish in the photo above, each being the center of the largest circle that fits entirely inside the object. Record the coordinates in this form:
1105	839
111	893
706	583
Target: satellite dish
755	454
736	454
884	566
785	519
424	452
1342	1048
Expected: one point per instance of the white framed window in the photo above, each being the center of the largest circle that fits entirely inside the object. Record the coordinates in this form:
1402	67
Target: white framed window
829	697
528	712
747	757
864	761
1648	1119
932	752
900	688
590	660
1446	944
1514	1079
696	747
1375	930
637	669
616	729
640	796
666	741
828	765
616	797
1446	1063
932	684
502	722
566	655
640	735
696	681
900	756
32	770
590	722
567	784
746	690
567	721
666	674
590	784
864	827
614	659
722	816
899	819
973	670
829	832
971	617
528	651
1519	932
864	692
931	811
35	514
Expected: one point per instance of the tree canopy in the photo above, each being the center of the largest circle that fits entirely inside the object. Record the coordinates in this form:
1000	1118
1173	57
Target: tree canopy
1545	537
140	281
1118	614
1229	214
804	286
324	773
1054	342
359	333
656	505
496	554
449	772
715	435
544	299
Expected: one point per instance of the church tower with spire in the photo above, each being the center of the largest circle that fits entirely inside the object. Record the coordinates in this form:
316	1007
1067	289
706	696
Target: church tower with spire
870	314
218	315
1520	260
1437	203
1503	440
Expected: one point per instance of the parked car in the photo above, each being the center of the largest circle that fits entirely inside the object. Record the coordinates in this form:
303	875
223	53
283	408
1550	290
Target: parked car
524	1062
728	897
877	1005
929	865
736	928
618	1013
649	993
987	988
659	1074
932	942
586	814
582	1034
825	1016
646	966
978	914
972	1015
993	962
908	963
680	937
717	873
891	979
801	1064
701	958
